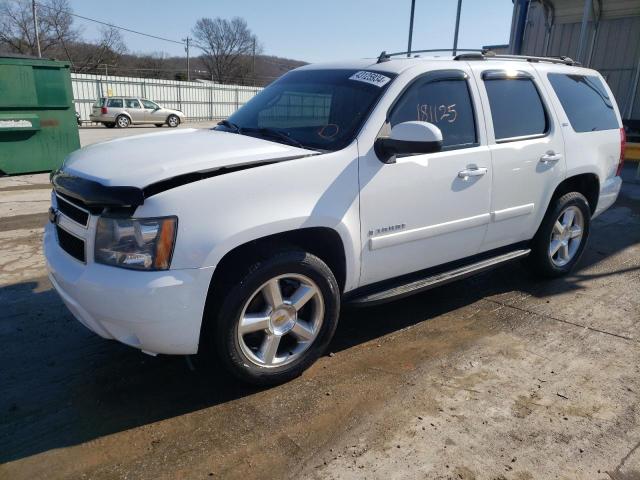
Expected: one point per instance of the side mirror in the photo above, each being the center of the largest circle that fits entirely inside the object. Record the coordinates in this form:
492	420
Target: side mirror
407	138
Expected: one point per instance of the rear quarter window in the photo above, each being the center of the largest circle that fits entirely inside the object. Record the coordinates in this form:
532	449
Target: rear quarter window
585	101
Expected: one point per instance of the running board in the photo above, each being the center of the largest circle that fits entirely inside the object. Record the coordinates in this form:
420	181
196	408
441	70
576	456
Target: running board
427	283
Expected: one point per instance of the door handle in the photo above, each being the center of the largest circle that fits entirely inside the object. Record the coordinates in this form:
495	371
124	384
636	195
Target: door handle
472	172
550	157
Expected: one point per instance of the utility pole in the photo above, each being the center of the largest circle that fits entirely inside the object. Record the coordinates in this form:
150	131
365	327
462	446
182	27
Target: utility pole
188	41
253	67
455	35
413	9
35	26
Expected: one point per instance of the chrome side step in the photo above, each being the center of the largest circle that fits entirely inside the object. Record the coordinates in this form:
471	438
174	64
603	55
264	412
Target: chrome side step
438	279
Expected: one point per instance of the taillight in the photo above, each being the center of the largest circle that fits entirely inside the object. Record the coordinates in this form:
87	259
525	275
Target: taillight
103	110
623	144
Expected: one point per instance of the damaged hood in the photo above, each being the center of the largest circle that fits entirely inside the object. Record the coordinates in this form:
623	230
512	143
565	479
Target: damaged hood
144	160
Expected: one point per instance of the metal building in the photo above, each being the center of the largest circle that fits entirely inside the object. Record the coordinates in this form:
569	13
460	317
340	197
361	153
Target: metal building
601	34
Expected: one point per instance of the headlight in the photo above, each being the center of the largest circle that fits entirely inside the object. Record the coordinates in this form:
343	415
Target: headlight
139	244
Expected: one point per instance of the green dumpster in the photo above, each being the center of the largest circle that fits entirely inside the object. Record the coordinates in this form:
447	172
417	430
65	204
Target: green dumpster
38	127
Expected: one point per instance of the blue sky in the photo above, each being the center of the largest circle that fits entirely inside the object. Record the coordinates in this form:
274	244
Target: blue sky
312	31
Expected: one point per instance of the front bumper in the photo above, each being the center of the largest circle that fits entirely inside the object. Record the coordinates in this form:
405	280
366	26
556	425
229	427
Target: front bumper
608	194
157	312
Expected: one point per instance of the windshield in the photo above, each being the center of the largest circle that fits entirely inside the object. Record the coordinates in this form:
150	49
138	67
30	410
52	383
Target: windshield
315	109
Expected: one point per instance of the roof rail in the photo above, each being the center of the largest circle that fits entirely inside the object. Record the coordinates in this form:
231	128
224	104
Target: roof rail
488	55
385	57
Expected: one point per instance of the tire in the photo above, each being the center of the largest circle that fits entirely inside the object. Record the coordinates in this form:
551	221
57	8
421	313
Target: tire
173	121
109	125
559	234
122	121
302	334
159	124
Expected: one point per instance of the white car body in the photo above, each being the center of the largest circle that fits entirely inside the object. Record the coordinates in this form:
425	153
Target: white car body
391	219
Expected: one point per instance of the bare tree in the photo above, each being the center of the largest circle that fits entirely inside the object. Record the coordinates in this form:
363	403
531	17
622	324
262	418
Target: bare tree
107	51
226	46
55	26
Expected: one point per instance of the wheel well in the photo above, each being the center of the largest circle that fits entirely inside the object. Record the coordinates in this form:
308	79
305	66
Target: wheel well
323	242
587	184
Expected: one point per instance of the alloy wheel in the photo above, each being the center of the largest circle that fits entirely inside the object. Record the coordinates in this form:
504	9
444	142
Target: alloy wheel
566	236
281	320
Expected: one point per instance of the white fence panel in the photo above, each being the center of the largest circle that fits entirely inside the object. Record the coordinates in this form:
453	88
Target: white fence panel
198	101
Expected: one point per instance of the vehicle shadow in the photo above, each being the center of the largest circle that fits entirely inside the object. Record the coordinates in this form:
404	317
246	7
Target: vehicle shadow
62	385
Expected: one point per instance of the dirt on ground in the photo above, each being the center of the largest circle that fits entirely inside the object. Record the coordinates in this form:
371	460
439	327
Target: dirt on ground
500	376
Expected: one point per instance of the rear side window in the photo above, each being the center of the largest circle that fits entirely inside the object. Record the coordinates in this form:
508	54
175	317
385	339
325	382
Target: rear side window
115	103
100	102
446	104
516	108
132	103
585	101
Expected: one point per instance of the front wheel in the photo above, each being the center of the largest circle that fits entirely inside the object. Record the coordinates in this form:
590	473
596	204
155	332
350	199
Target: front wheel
562	236
173	121
278	319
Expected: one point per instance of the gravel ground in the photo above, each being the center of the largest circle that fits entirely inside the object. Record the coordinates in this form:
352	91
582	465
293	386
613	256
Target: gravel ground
500	376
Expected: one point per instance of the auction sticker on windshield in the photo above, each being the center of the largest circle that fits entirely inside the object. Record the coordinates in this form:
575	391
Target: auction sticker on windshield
370	77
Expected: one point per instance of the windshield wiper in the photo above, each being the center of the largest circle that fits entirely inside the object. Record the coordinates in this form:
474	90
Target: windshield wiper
273	133
266	132
231	125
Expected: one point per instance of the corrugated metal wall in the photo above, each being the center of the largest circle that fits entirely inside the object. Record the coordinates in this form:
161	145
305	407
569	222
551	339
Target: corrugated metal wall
199	101
613	49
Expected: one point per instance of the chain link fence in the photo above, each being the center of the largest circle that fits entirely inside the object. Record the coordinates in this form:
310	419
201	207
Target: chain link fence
198	100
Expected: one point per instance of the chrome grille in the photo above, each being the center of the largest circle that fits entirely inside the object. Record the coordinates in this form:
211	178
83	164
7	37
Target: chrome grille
72	211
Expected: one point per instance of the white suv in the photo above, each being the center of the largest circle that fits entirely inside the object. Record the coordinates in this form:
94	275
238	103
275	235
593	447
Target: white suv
356	182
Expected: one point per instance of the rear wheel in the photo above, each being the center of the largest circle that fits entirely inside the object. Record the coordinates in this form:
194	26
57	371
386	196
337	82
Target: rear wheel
122	121
562	236
275	322
173	121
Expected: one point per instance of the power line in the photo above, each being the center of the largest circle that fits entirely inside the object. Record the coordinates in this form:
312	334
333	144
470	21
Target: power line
114	26
187	42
